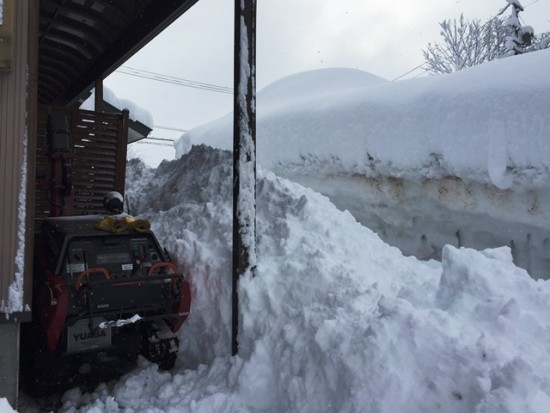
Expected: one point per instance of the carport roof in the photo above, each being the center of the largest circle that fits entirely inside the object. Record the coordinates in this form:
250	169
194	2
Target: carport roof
84	40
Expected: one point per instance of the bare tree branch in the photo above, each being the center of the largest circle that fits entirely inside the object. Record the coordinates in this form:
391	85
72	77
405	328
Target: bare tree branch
468	43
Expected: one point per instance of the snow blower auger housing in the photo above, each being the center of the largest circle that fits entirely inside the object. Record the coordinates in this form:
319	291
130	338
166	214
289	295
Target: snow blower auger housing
100	293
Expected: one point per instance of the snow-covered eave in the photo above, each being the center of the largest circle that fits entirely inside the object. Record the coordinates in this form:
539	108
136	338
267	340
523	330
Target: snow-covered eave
140	120
137	130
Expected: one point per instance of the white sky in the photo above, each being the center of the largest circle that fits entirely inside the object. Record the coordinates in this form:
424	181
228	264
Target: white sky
383	38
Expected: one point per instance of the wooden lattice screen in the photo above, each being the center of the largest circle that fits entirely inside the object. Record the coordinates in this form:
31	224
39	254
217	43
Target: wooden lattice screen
99	142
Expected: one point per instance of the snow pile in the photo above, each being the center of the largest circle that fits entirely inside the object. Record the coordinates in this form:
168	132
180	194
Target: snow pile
4	405
190	206
336	320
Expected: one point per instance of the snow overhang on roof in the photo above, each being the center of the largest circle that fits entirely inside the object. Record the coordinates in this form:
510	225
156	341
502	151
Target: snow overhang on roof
136	130
84	40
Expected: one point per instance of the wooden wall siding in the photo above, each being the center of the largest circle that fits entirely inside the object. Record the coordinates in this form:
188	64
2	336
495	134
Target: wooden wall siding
13	135
99	144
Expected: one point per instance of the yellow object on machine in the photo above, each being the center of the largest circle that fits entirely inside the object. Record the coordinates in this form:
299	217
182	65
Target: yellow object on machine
126	223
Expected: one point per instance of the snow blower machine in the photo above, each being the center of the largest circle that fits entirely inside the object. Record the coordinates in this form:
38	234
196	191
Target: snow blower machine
104	291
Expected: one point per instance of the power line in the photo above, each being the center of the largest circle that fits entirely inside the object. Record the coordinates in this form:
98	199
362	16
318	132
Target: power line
412	70
160	139
170	128
530	4
173	80
142	142
421	73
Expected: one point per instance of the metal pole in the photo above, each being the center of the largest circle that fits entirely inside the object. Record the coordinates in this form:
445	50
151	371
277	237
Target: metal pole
244	153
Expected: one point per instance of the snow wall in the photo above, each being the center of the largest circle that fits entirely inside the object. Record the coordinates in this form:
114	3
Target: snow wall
460	159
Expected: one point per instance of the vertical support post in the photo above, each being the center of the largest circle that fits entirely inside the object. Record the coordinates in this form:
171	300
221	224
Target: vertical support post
32	128
98	95
121	152
244	153
9	361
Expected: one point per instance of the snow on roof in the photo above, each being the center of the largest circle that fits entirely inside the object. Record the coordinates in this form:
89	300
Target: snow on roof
316	84
485	124
137	113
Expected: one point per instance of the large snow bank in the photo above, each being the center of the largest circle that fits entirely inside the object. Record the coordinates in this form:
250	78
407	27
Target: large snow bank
485	124
336	320
459	159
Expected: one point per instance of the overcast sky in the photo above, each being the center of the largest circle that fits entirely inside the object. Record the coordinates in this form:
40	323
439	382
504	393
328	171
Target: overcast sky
385	38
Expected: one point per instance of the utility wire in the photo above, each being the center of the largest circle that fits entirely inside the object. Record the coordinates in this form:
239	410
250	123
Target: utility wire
147	141
142	142
173	80
412	70
170	128
530	4
159	139
420	74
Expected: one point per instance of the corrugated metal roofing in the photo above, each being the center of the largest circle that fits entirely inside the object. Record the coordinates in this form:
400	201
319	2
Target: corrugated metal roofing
83	40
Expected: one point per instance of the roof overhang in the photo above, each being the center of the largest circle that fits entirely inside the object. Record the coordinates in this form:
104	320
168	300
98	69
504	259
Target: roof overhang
136	129
84	40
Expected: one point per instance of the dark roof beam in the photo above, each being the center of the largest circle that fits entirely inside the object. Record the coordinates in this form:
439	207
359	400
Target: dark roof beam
118	18
53	78
124	10
78	30
53	63
50	87
63	54
140	32
59	39
84	17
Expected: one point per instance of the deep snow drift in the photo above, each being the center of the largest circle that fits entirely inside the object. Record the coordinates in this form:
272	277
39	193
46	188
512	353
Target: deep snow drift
336	320
460	159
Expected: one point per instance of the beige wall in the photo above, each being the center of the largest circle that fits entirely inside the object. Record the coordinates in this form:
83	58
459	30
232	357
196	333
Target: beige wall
17	162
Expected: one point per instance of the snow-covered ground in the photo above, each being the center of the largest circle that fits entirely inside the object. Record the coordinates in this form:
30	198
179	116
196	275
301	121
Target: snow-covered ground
336	320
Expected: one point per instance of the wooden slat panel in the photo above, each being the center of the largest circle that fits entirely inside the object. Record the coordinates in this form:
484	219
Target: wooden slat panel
97	139
100	148
91	168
